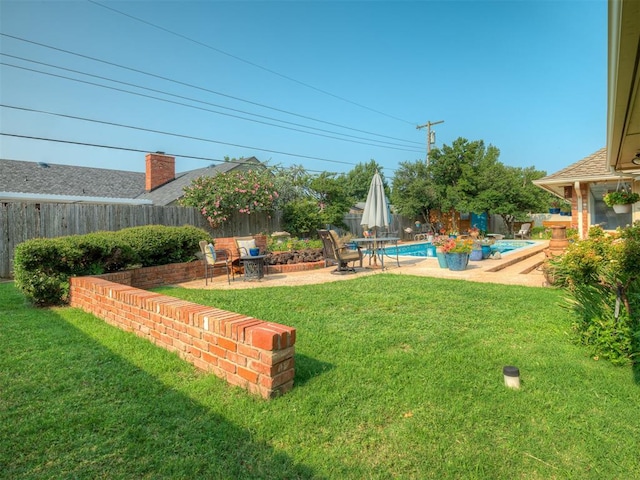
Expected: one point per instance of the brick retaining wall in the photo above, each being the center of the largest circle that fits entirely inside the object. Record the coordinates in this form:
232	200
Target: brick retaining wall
250	353
253	354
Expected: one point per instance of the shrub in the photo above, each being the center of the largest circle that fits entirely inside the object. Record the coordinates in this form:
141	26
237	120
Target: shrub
244	192
602	276
42	266
159	245
302	218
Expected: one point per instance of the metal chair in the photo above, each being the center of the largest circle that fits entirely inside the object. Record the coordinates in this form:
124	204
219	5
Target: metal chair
215	258
336	253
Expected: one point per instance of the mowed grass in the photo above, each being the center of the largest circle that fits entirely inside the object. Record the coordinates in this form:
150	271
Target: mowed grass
396	377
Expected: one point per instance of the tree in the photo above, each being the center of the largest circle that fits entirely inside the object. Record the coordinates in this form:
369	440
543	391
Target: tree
292	183
334	202
358	180
414	193
455	170
509	192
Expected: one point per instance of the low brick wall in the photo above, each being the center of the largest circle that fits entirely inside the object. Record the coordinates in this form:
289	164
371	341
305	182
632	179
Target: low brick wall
250	353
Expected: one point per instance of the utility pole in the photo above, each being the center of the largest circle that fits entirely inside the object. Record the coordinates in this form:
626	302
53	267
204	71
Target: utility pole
431	138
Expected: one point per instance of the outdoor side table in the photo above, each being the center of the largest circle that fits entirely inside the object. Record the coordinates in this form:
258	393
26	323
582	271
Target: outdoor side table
253	267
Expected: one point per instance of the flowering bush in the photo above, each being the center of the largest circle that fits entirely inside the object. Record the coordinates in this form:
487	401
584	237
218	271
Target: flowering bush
451	245
620	197
244	192
602	278
439	240
474	231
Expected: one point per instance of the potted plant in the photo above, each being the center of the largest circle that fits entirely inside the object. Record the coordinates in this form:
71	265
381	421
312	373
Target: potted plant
621	200
439	242
554	206
476	251
457	253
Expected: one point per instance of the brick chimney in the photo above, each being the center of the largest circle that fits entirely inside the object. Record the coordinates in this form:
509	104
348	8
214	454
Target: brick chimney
161	169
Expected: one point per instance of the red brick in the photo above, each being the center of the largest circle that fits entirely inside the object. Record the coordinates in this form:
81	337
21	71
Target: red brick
217	351
237	359
227	344
227	366
248	374
262	337
239	328
272	358
210	359
277	380
248	351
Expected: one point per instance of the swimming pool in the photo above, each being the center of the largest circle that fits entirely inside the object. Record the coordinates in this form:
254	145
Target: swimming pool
427	250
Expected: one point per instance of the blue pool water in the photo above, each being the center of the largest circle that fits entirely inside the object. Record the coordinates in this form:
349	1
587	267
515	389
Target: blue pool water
427	250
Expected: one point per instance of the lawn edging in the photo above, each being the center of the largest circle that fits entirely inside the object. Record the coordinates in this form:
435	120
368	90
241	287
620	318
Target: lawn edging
244	351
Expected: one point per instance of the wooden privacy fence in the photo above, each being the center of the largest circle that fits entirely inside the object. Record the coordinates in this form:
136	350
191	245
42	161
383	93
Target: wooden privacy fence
398	224
20	221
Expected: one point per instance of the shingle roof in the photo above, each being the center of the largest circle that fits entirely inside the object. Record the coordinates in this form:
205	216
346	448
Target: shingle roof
53	179
174	190
593	167
69	181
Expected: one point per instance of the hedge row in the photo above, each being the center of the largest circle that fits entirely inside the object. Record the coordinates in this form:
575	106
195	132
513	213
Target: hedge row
42	266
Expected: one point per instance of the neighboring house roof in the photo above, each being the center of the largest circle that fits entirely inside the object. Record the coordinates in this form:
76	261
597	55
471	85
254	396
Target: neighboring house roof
172	191
593	168
38	181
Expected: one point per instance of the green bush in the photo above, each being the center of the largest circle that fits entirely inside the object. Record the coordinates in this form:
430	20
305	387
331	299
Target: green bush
159	245
302	218
42	267
602	276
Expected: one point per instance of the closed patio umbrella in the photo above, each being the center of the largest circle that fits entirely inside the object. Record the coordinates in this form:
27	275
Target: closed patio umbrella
376	210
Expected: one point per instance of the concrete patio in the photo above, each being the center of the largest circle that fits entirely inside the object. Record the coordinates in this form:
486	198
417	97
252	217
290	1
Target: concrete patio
516	268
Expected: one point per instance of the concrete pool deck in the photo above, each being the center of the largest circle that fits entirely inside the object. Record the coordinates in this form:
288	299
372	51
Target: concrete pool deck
521	267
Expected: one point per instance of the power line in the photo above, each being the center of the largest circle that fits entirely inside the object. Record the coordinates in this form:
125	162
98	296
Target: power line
379	144
235	57
161	77
138	150
189	137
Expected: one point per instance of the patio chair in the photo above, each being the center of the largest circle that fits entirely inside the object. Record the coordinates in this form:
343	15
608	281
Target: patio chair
408	232
525	231
245	244
220	258
334	252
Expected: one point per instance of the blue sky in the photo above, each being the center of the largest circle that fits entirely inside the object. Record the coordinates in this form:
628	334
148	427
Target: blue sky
352	79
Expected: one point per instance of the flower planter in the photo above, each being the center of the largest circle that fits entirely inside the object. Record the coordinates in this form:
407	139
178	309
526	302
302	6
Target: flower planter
442	259
457	261
486	251
554	210
625	208
475	255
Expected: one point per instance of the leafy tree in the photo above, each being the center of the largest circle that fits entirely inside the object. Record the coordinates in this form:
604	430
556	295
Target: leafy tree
414	193
455	170
509	192
333	200
292	183
243	191
358	180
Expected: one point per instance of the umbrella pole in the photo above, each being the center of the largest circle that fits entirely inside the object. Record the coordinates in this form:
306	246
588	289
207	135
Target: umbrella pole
375	246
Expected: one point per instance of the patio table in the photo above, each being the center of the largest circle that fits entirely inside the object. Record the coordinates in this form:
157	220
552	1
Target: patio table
253	267
376	247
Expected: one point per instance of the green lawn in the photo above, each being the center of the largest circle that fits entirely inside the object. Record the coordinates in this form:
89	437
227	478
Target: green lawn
396	377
